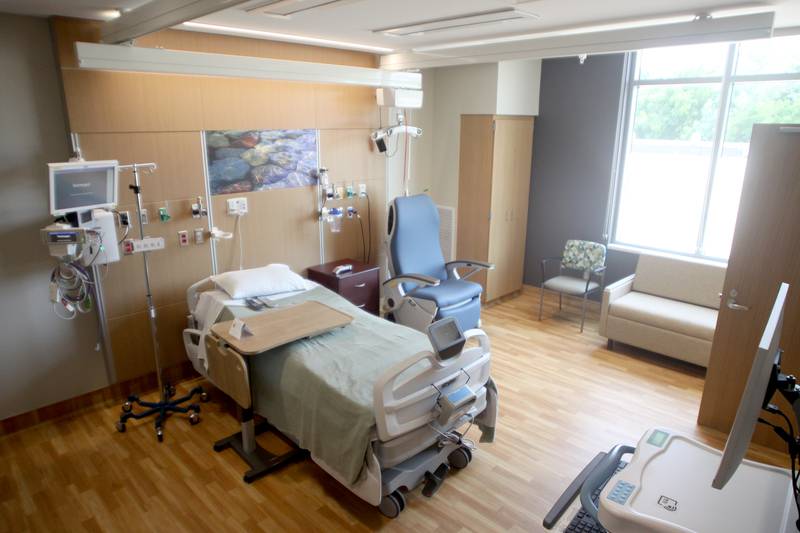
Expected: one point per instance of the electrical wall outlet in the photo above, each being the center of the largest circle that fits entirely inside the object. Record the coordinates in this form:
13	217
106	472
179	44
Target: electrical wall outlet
145	219
124	218
148	244
183	238
237	206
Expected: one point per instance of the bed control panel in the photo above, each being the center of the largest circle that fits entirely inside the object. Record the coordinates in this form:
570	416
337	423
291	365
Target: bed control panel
621	492
446	337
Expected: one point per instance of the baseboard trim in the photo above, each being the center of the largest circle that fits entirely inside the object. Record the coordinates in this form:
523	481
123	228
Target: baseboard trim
113	393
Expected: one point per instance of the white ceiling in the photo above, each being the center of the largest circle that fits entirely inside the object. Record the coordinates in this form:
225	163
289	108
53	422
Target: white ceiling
353	20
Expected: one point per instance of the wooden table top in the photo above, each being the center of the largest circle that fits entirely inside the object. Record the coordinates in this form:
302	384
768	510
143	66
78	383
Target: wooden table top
275	327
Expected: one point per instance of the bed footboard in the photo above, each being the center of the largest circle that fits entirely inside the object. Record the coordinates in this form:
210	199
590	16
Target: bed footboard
405	397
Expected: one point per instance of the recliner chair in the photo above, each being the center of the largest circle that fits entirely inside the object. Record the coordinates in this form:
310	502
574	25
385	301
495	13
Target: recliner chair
423	288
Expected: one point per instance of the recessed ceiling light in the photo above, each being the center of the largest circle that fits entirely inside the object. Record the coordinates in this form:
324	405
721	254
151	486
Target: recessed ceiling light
286	8
330	43
110	14
461	21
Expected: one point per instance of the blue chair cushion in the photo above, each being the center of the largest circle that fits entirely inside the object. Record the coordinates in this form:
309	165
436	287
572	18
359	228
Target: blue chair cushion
449	292
467	315
415	243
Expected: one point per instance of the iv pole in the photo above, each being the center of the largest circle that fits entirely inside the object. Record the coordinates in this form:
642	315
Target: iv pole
166	405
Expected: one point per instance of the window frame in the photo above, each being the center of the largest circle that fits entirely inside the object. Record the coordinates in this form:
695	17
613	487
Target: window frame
727	81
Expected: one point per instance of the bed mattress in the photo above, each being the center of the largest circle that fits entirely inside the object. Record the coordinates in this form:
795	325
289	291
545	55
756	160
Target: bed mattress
319	391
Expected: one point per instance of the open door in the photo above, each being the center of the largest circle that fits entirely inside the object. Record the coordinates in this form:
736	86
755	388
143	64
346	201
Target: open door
765	252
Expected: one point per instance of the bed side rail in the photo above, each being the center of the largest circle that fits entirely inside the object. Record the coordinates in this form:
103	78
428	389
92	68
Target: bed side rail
405	396
192	293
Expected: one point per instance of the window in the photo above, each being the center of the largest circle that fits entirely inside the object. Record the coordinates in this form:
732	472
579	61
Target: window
688	116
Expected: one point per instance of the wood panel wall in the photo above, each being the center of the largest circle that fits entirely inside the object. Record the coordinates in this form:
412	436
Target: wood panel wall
141	117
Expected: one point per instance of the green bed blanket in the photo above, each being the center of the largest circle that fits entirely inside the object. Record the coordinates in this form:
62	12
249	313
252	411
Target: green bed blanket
319	391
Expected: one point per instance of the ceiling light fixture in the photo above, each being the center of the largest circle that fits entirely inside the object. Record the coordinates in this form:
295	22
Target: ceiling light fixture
230	30
285	8
598	39
461	21
564	32
595	28
110	14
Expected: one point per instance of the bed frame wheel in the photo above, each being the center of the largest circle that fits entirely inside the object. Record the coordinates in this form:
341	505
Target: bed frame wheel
127	407
160	433
120	427
392	505
194	419
204	397
460	457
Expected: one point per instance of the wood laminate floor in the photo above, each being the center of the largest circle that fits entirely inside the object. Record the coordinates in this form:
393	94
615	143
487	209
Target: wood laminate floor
563	398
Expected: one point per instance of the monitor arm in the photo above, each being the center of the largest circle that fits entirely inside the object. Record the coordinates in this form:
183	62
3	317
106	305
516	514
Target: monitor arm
786	385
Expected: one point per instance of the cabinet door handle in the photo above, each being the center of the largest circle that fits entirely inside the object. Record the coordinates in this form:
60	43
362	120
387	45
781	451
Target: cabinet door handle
360	285
362	305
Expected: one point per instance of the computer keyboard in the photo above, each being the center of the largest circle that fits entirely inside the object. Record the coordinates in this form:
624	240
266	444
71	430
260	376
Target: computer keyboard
582	522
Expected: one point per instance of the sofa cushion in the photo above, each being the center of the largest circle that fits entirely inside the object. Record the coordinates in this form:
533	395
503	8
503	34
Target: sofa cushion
680	317
687	280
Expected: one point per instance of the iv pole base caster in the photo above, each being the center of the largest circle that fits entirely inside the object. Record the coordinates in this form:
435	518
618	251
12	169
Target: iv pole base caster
162	409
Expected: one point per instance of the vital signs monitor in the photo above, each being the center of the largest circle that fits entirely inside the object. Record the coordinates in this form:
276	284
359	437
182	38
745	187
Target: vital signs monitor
82	186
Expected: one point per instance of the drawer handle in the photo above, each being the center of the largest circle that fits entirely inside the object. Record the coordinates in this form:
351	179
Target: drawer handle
360	285
362	305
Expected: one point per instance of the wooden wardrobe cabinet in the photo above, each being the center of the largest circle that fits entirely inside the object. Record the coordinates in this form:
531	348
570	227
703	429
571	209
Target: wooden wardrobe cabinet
493	187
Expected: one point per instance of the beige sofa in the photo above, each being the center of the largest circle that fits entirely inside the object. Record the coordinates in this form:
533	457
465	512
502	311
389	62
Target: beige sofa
668	306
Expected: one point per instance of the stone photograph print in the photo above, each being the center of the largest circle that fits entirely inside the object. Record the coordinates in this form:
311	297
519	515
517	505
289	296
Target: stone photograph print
244	161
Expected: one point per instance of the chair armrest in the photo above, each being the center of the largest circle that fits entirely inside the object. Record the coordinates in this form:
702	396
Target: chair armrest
610	293
419	279
453	266
544	264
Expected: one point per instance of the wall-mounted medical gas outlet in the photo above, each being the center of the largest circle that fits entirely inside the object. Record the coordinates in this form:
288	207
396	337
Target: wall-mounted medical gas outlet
183	238
145	218
362	190
198	210
124	218
148	244
237	206
200	235
351	211
163	214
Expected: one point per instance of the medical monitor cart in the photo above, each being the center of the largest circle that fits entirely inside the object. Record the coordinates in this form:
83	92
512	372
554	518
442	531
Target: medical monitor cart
675	484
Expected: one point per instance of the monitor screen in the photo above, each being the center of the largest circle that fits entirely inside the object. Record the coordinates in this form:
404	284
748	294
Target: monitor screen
81	186
753	397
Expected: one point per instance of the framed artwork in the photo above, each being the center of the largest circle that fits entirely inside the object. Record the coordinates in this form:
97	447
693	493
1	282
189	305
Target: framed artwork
256	160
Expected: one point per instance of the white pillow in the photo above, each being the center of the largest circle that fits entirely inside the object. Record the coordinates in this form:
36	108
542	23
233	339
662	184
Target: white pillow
263	281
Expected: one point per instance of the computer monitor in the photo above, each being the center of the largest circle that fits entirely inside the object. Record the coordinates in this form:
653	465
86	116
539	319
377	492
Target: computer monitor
82	186
755	393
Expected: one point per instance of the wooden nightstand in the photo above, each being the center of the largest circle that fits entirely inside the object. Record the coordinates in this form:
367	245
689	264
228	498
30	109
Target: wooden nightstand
360	286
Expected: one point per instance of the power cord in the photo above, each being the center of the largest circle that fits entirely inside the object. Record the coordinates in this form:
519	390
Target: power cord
793	448
363	242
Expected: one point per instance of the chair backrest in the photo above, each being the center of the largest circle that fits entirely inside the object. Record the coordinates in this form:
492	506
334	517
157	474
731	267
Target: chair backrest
583	255
414	246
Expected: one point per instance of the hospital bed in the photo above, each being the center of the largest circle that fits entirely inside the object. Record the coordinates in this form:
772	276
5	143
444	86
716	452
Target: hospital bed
365	400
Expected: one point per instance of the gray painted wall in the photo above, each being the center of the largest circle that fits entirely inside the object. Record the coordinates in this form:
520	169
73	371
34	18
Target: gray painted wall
573	151
43	359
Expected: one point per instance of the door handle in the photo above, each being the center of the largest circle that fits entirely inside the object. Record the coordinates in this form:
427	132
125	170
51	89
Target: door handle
360	285
731	301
